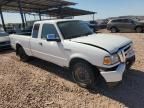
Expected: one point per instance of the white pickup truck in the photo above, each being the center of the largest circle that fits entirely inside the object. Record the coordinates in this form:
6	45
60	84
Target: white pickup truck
72	44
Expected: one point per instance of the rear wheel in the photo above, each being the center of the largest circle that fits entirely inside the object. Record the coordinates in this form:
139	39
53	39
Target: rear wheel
139	29
83	74
114	30
22	55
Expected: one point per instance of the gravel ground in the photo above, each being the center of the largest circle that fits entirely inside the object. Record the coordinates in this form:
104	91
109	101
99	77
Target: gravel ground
39	84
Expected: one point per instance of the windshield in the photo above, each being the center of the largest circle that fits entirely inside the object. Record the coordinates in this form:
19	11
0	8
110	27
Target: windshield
136	19
74	29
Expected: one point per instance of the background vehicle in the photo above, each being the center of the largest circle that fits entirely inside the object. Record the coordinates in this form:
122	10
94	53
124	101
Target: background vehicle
10	30
102	23
93	25
4	40
27	31
118	25
72	44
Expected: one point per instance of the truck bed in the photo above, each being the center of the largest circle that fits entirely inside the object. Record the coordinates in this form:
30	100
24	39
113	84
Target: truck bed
23	40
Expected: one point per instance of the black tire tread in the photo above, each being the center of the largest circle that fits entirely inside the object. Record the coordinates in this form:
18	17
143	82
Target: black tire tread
91	72
23	56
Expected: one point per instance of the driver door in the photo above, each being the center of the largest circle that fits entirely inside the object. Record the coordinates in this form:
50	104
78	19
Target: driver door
51	50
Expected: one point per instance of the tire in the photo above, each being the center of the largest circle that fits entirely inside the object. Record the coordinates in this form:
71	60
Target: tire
83	74
22	55
114	30
139	29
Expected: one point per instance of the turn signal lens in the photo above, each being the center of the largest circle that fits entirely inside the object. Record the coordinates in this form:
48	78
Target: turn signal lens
107	61
110	60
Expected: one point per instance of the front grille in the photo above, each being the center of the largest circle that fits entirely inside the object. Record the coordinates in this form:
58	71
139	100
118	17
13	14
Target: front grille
123	52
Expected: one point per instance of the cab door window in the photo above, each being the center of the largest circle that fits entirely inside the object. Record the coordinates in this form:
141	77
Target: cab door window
49	29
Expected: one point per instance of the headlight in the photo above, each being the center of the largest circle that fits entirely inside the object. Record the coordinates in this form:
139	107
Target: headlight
110	60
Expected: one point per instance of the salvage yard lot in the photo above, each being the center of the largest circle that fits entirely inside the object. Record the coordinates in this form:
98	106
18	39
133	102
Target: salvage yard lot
39	84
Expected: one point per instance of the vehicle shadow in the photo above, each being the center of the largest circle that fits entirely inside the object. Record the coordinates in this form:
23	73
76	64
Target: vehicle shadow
52	68
5	51
130	92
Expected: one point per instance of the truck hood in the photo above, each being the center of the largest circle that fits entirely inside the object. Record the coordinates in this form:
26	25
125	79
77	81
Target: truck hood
110	43
4	38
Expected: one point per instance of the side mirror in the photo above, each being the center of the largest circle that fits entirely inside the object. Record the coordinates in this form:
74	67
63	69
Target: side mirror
53	37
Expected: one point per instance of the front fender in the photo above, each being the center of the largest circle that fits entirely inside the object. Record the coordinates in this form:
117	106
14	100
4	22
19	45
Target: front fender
82	56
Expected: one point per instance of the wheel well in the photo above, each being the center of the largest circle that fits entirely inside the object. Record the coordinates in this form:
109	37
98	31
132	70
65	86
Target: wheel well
114	27
138	26
74	60
17	47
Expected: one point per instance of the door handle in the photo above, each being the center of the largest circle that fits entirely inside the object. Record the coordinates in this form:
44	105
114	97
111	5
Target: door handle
40	43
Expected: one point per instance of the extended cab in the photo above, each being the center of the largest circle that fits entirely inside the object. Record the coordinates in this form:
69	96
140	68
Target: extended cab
72	44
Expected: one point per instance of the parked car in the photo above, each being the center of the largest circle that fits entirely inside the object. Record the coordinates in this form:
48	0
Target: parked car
27	31
93	25
102	25
72	44
4	40
118	25
10	30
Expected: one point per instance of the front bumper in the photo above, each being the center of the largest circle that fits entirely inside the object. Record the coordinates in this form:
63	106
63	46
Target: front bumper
116	74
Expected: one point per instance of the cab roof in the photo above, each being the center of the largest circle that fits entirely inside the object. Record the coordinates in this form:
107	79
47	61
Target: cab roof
54	21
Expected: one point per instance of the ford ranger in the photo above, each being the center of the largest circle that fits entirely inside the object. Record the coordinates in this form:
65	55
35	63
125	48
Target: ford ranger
72	44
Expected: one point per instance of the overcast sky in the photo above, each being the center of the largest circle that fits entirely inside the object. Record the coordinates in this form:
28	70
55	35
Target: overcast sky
105	8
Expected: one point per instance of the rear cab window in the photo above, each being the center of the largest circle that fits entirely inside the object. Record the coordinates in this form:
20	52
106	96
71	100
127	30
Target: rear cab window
35	31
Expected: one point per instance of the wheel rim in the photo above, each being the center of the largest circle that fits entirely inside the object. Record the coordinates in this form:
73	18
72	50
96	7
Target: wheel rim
139	30
113	30
82	75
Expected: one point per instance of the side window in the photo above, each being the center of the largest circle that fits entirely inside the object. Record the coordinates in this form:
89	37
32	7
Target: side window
48	29
35	31
116	21
125	21
131	21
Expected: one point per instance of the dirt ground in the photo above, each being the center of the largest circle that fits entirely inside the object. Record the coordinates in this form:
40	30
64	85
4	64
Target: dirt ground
39	84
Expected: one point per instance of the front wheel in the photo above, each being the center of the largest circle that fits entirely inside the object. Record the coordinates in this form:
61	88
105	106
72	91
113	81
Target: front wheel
83	74
114	30
22	55
139	29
